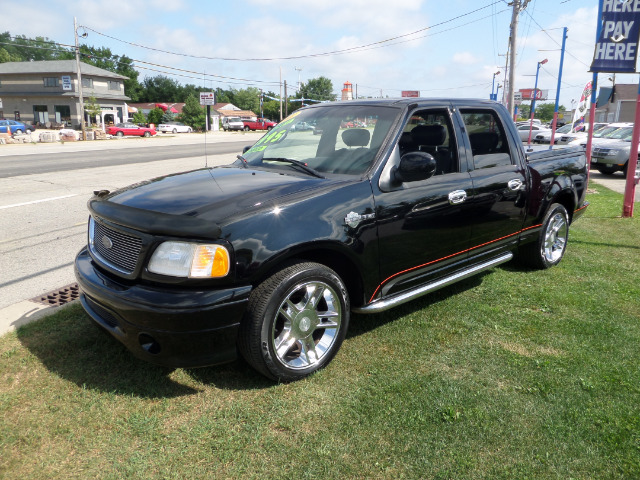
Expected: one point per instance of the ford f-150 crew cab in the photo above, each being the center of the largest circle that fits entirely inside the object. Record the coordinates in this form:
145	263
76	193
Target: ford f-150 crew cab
259	124
270	255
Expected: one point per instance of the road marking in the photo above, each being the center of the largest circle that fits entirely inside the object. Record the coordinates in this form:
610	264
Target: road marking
38	201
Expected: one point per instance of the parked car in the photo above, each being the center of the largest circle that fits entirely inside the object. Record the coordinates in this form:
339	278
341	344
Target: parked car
612	157
545	137
232	123
302	127
174	127
130	129
14	127
577	137
267	257
523	131
258	124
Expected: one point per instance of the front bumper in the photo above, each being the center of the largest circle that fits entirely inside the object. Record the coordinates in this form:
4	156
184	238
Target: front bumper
170	327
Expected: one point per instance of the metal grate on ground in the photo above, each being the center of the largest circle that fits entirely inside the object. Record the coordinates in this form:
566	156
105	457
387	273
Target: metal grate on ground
59	297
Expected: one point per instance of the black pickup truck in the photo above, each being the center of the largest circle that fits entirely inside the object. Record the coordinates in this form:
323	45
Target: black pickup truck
268	256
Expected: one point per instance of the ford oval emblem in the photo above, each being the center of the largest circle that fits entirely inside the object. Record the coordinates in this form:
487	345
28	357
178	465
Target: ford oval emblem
106	242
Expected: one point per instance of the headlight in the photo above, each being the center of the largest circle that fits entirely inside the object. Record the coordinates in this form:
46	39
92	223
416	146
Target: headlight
181	259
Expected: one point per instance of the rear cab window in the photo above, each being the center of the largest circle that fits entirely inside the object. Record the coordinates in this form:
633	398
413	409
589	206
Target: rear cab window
488	139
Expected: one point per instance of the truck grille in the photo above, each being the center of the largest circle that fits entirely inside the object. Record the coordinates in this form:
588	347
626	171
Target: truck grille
116	249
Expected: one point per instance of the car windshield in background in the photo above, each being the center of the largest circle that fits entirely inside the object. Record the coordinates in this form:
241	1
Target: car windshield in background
620	133
329	140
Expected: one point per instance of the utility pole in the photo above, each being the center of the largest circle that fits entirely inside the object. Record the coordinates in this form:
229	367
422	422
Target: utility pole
79	74
517	8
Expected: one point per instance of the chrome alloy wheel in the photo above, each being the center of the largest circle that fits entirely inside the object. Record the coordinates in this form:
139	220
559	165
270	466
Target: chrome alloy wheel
555	238
306	325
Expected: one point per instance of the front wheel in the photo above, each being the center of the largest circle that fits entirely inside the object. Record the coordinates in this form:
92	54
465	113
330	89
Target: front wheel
119	134
174	131
18	132
295	321
246	129
551	244
146	134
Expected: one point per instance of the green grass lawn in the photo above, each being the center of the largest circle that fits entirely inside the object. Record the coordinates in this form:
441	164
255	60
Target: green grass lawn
514	374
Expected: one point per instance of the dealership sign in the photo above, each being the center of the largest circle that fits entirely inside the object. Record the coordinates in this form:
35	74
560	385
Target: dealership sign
617	44
207	98
410	93
527	93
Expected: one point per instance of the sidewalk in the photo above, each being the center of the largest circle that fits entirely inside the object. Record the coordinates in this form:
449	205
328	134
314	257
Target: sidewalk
34	147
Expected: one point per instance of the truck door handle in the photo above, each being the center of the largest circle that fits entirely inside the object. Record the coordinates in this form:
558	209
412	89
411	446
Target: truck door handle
457	196
515	184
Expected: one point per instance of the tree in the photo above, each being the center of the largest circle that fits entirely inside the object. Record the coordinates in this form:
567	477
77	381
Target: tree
160	89
248	99
320	88
193	114
544	111
23	49
168	117
92	108
155	116
139	117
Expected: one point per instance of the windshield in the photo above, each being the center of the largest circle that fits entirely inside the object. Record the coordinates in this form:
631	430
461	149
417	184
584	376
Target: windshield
619	133
564	129
332	139
234	119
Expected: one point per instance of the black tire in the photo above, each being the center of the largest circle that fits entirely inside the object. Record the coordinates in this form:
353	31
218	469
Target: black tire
146	134
246	129
304	309
549	247
174	131
119	134
607	170
18	132
269	129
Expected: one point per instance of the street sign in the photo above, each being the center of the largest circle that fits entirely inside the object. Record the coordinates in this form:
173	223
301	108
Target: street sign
207	98
66	82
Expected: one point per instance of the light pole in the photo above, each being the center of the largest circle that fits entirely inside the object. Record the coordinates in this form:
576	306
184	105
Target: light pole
79	77
533	102
494	96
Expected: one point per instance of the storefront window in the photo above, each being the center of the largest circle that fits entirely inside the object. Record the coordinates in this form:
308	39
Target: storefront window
62	114
40	114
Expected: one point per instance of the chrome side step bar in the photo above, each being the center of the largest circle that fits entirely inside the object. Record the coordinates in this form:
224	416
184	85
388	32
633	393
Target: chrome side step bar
394	301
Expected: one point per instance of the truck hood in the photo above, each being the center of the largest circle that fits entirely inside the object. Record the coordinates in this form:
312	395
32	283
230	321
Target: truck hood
213	193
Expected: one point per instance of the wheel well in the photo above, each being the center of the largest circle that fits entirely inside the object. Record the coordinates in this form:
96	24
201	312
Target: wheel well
567	201
339	263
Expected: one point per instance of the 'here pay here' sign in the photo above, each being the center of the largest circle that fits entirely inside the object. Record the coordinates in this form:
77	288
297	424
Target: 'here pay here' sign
617	46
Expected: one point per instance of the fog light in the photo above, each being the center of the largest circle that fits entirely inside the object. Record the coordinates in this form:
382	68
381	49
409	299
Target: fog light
149	344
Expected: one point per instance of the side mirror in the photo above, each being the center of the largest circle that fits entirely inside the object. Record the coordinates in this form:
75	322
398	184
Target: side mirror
414	167
248	147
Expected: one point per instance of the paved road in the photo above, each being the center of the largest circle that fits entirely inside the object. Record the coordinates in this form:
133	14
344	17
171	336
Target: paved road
43	193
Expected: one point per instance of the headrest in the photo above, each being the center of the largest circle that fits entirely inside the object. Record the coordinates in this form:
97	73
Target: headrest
483	142
429	134
356	137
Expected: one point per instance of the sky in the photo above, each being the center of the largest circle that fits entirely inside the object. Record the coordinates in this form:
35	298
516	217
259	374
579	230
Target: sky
441	48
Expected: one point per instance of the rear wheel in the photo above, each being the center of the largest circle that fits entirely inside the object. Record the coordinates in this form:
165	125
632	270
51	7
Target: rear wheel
174	131
295	321
551	244
246	129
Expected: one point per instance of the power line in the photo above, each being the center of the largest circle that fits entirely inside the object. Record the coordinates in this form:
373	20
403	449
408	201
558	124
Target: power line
296	57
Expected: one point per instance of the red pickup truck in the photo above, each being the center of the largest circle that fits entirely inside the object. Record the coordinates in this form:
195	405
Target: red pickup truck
259	124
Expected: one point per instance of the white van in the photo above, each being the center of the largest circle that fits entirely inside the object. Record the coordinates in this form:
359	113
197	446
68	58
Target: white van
232	123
